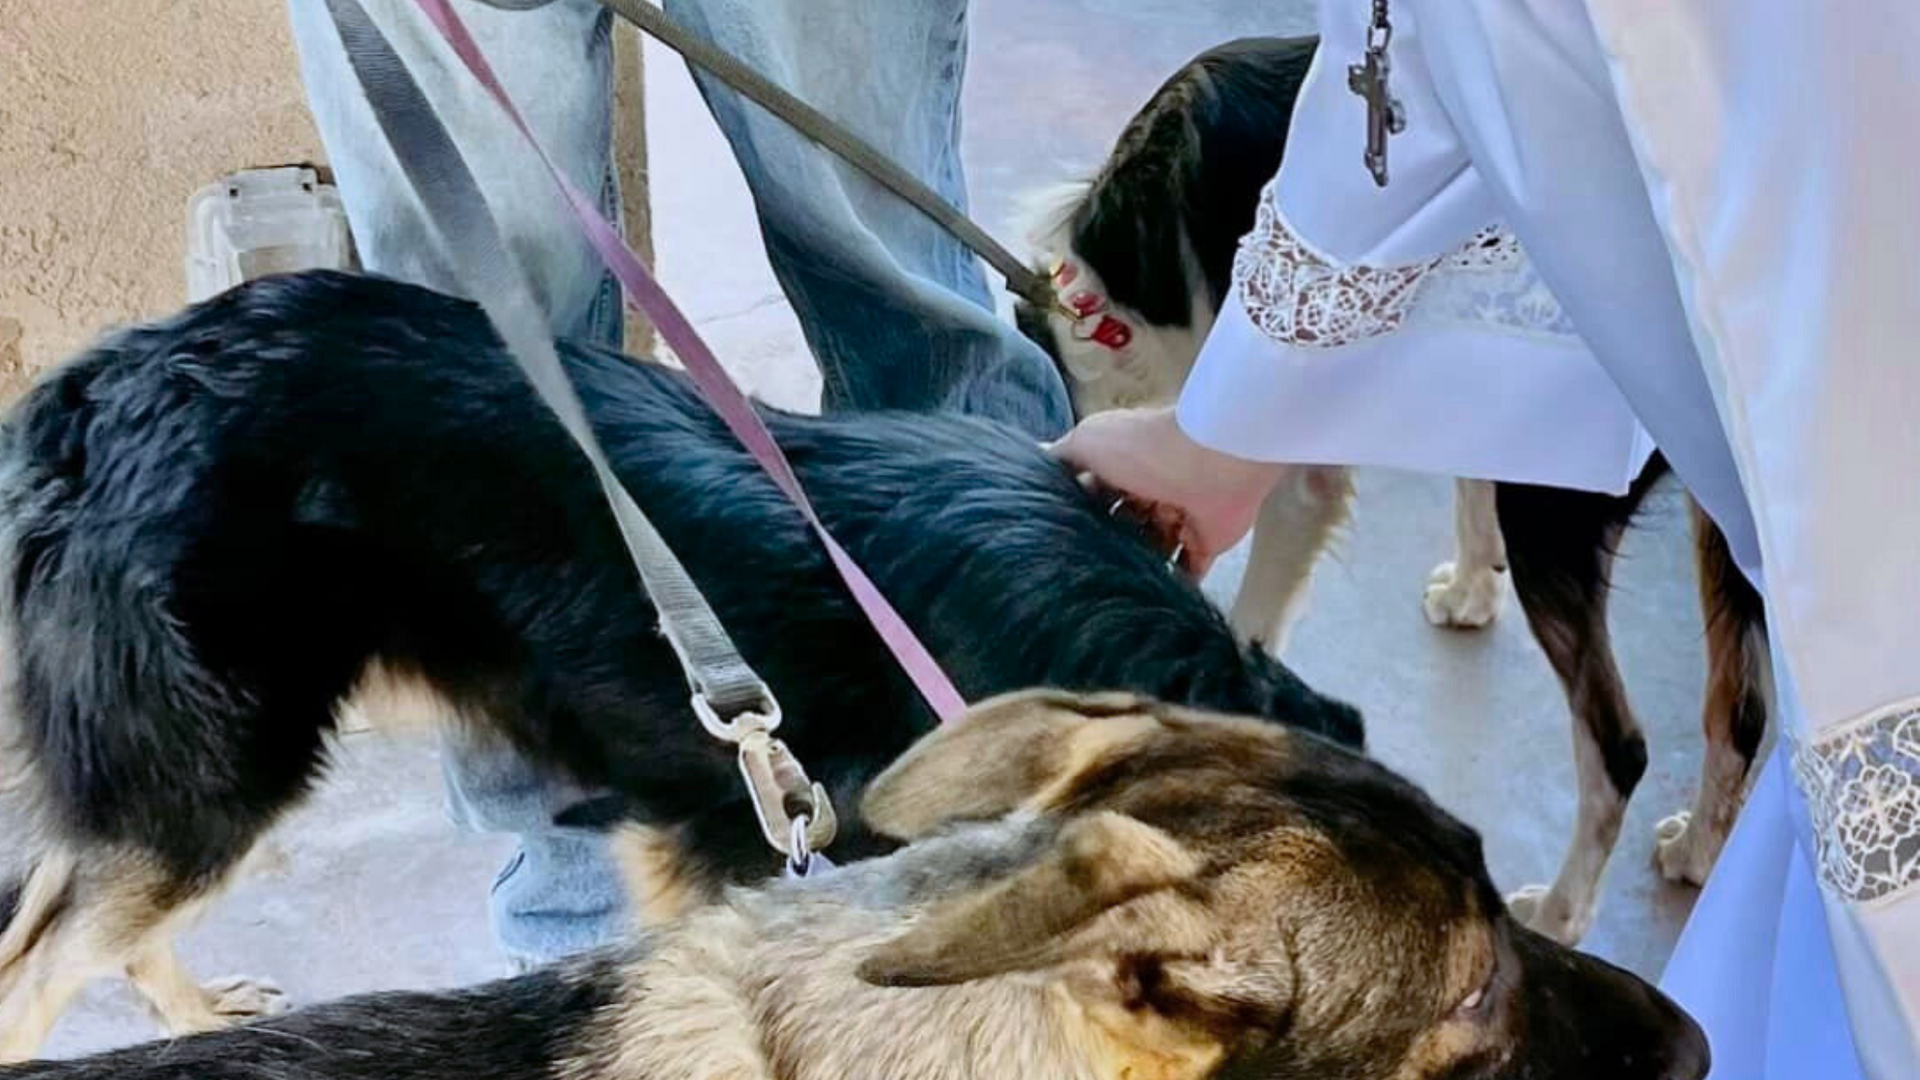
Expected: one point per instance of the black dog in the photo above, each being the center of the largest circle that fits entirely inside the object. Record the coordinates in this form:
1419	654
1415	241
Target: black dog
218	525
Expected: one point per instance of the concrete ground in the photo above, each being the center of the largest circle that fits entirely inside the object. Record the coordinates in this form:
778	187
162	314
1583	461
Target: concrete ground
379	892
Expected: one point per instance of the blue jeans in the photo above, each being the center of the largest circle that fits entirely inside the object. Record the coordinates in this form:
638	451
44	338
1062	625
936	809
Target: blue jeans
896	313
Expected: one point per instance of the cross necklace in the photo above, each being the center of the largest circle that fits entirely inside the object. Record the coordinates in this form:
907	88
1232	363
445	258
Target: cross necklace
1369	80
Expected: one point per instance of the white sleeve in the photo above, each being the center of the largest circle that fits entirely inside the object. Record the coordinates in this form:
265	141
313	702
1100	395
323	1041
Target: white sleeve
1362	317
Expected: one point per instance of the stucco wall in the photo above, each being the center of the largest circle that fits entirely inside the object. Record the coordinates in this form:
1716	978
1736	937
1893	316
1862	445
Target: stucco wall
112	112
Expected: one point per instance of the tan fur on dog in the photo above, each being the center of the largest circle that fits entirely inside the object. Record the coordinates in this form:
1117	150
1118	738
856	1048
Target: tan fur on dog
1140	897
1098	888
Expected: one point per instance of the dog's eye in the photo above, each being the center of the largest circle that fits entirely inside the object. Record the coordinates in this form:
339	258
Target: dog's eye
1476	1003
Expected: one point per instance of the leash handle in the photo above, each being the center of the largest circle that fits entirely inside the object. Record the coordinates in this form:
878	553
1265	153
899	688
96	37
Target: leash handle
722	394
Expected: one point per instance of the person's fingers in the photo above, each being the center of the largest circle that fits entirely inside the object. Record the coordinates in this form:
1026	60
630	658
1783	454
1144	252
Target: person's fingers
1099	437
1195	555
1068	448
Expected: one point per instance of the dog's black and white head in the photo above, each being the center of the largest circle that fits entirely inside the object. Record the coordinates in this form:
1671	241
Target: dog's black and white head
1142	254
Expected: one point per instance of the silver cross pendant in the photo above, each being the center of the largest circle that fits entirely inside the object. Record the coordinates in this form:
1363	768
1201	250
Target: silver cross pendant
1369	80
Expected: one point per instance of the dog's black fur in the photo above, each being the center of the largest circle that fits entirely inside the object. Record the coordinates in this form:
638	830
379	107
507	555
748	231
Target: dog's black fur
218	520
510	1029
1179	190
1209	140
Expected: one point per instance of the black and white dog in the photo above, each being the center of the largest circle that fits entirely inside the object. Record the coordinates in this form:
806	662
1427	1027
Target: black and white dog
1143	256
219	526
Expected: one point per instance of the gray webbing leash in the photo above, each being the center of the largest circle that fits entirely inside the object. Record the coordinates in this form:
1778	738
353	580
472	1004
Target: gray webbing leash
731	699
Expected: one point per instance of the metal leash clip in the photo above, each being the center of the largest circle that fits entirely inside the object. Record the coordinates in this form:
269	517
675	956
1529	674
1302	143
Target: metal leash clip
802	860
795	814
1054	301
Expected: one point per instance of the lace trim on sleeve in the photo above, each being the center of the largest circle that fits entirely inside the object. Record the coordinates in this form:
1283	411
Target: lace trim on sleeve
1862	784
1490	284
1299	297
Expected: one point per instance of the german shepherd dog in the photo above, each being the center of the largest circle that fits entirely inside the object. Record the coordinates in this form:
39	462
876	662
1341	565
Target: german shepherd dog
218	527
1094	887
1144	254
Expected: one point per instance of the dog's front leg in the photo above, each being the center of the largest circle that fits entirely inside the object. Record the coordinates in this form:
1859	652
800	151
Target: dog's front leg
1465	592
1562	543
1294	527
186	1007
1734	713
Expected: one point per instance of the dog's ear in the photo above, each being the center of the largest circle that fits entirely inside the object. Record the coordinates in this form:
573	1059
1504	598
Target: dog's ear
1005	753
1067	905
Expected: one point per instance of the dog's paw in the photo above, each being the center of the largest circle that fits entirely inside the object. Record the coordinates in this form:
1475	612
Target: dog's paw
238	998
1539	910
1679	852
1466	600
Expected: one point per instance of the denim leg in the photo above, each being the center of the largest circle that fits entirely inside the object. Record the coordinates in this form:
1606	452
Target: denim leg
897	313
559	893
557	61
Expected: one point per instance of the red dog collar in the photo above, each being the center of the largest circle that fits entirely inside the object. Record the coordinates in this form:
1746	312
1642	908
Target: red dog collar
1080	306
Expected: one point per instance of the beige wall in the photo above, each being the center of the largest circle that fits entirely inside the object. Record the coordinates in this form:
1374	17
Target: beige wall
112	112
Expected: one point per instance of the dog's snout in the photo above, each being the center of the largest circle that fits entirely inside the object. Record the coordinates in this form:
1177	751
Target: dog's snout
1681	1050
1691	1055
1587	1019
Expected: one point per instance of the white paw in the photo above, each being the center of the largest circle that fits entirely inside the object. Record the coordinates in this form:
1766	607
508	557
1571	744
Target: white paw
1464	601
239	998
1536	908
1677	851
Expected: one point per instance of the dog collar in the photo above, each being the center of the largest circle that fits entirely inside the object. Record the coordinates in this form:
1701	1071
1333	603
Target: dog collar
1087	310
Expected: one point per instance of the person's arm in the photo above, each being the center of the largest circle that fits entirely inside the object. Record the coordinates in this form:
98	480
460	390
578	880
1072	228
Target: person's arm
1363	321
557	63
1334	262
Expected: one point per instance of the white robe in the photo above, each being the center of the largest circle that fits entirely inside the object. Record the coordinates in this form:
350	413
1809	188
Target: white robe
1720	197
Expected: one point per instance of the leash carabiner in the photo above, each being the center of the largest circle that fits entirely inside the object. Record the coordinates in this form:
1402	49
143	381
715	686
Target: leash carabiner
786	802
795	814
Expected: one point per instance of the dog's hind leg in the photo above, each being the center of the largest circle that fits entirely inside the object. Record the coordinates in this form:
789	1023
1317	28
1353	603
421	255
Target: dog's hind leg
1465	592
33	904
184	1006
73	925
1294	527
130	851
1561	544
1734	712
112	912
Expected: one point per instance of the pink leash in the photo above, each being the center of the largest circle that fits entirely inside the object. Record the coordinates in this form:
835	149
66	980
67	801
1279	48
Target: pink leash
721	393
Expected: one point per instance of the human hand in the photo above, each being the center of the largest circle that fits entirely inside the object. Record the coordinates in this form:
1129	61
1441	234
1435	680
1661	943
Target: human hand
1203	499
